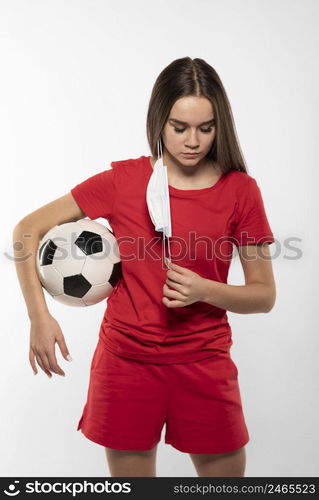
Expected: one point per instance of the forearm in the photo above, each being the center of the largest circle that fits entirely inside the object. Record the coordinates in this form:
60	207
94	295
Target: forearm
242	299
25	249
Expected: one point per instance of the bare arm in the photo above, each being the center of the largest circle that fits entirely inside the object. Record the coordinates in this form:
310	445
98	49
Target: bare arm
26	236
258	295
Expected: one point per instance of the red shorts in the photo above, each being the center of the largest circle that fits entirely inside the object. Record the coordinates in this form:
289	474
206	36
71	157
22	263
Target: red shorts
129	401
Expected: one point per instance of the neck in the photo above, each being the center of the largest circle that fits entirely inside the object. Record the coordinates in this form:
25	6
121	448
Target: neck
175	168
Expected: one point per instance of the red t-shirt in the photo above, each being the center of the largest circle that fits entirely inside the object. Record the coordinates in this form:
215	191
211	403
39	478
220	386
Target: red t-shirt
206	223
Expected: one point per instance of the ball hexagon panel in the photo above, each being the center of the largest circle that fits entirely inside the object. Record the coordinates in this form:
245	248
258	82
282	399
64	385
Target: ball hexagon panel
69	260
95	271
97	293
51	278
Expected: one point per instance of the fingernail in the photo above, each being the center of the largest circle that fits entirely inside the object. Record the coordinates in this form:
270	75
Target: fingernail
34	373
69	357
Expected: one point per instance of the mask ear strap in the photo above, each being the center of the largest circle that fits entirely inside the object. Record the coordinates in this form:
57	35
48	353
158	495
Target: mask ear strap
164	250
160	154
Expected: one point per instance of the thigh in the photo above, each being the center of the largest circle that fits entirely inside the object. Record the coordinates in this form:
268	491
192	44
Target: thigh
205	413
231	464
132	463
126	402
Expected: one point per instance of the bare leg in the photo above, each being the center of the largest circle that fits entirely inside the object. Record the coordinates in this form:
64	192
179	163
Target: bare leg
127	463
230	464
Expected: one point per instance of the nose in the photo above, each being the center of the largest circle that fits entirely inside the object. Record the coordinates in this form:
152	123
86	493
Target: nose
192	140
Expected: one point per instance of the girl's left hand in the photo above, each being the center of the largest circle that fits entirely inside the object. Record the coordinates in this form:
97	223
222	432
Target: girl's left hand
187	287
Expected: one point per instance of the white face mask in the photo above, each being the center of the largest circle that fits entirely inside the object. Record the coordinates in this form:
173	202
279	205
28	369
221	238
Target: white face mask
157	197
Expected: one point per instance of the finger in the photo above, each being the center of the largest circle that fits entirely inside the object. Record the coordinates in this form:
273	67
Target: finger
45	361
63	348
54	364
32	361
42	365
176	286
174	276
172	293
177	268
172	303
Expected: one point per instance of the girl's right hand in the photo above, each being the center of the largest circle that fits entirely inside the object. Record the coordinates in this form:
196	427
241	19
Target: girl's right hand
45	331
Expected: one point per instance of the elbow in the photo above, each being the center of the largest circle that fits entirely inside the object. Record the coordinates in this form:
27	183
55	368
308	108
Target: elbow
268	309
21	229
16	228
271	300
22	224
19	224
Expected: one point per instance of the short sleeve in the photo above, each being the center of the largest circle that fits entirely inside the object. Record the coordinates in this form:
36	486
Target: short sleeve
96	195
252	226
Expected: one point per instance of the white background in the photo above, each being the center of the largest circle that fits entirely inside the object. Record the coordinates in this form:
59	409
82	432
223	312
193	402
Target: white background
76	78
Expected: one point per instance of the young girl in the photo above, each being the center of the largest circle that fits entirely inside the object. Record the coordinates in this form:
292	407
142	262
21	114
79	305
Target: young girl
163	353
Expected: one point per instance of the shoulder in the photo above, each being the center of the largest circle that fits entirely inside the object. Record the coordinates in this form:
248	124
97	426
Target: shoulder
129	171
241	181
129	163
242	188
238	179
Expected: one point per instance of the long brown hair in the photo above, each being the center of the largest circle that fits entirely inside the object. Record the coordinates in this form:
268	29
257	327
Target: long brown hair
186	77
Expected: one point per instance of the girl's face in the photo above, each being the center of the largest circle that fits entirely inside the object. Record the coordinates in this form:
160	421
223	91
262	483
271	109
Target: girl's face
190	128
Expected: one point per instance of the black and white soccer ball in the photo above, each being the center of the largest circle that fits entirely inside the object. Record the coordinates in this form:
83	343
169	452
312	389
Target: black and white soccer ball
78	263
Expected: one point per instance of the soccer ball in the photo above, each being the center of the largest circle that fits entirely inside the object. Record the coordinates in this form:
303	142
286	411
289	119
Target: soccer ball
78	263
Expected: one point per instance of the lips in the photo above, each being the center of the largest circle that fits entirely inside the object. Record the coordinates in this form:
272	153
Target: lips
190	154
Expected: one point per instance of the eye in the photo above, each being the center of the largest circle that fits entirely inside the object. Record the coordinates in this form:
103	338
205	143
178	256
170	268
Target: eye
206	131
